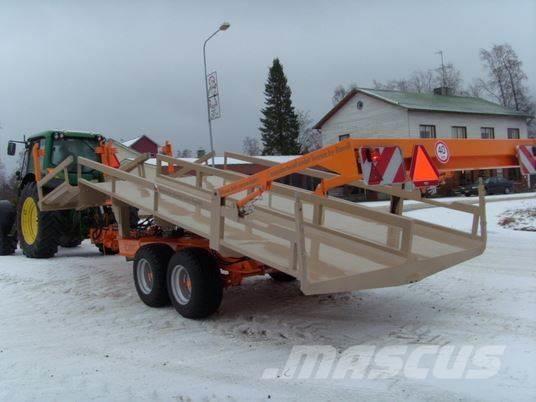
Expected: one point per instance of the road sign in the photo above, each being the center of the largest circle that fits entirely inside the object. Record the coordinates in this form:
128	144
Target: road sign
213	96
442	152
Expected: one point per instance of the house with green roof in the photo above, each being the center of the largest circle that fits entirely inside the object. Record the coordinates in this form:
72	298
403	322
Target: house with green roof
367	112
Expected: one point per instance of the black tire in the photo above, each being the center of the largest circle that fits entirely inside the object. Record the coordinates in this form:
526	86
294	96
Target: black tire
72	243
8	213
70	228
205	291
507	190
8	242
45	244
152	260
279	276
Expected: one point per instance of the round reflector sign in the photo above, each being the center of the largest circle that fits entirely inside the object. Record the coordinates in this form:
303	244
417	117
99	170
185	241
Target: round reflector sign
442	152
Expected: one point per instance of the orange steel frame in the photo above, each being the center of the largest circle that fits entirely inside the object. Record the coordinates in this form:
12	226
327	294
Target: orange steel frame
37	154
237	268
167	149
108	154
342	158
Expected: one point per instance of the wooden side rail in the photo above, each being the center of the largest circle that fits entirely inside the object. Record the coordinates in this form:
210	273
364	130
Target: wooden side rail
53	173
320	203
414	195
175	161
156	188
134	163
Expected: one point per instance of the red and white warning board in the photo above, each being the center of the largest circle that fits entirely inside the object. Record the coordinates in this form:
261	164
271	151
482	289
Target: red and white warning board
382	165
526	158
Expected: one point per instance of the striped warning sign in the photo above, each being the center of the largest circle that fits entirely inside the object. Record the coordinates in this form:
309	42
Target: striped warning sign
526	158
382	165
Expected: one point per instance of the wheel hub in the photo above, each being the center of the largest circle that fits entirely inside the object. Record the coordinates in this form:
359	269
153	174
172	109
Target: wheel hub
145	276
29	220
181	284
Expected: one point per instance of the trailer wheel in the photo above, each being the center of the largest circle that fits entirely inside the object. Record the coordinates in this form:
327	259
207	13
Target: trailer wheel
194	283
279	276
38	231
149	271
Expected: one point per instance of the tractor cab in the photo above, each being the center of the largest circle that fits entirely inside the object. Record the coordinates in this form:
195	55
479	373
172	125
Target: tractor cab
46	150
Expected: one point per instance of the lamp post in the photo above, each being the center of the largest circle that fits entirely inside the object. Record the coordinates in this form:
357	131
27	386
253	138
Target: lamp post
223	27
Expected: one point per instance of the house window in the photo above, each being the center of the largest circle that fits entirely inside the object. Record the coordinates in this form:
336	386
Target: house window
487	133
344	137
513	133
459	132
427	131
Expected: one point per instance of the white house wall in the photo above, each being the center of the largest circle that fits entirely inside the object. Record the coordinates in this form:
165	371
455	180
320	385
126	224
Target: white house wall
473	122
376	118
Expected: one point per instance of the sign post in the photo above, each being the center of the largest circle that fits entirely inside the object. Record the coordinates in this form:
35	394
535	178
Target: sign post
213	105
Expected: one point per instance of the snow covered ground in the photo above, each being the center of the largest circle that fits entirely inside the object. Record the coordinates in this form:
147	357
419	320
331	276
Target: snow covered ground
72	328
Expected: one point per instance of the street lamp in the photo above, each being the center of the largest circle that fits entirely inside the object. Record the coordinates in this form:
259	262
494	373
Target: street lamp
223	27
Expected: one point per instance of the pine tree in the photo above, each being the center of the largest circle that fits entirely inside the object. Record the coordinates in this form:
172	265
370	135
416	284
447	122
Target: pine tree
280	127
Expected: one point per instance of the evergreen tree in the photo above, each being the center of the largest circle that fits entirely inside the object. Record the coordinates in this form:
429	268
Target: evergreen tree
280	127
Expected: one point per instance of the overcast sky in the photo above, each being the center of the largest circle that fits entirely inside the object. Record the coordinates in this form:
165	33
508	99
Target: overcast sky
126	68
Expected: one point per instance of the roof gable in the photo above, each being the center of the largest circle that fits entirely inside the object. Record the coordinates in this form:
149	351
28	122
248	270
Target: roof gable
427	102
133	141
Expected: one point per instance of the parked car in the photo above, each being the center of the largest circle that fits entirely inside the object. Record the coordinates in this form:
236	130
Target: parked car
493	185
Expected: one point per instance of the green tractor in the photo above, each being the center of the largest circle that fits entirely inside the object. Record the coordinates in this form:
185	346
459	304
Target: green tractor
40	233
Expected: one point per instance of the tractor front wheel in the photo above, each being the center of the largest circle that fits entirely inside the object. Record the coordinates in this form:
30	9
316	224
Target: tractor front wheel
38	231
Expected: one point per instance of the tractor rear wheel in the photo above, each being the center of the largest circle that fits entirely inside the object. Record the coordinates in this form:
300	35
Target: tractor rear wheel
194	283
38	231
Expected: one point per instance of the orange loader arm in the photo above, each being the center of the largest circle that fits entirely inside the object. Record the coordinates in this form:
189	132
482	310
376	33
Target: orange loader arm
342	158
